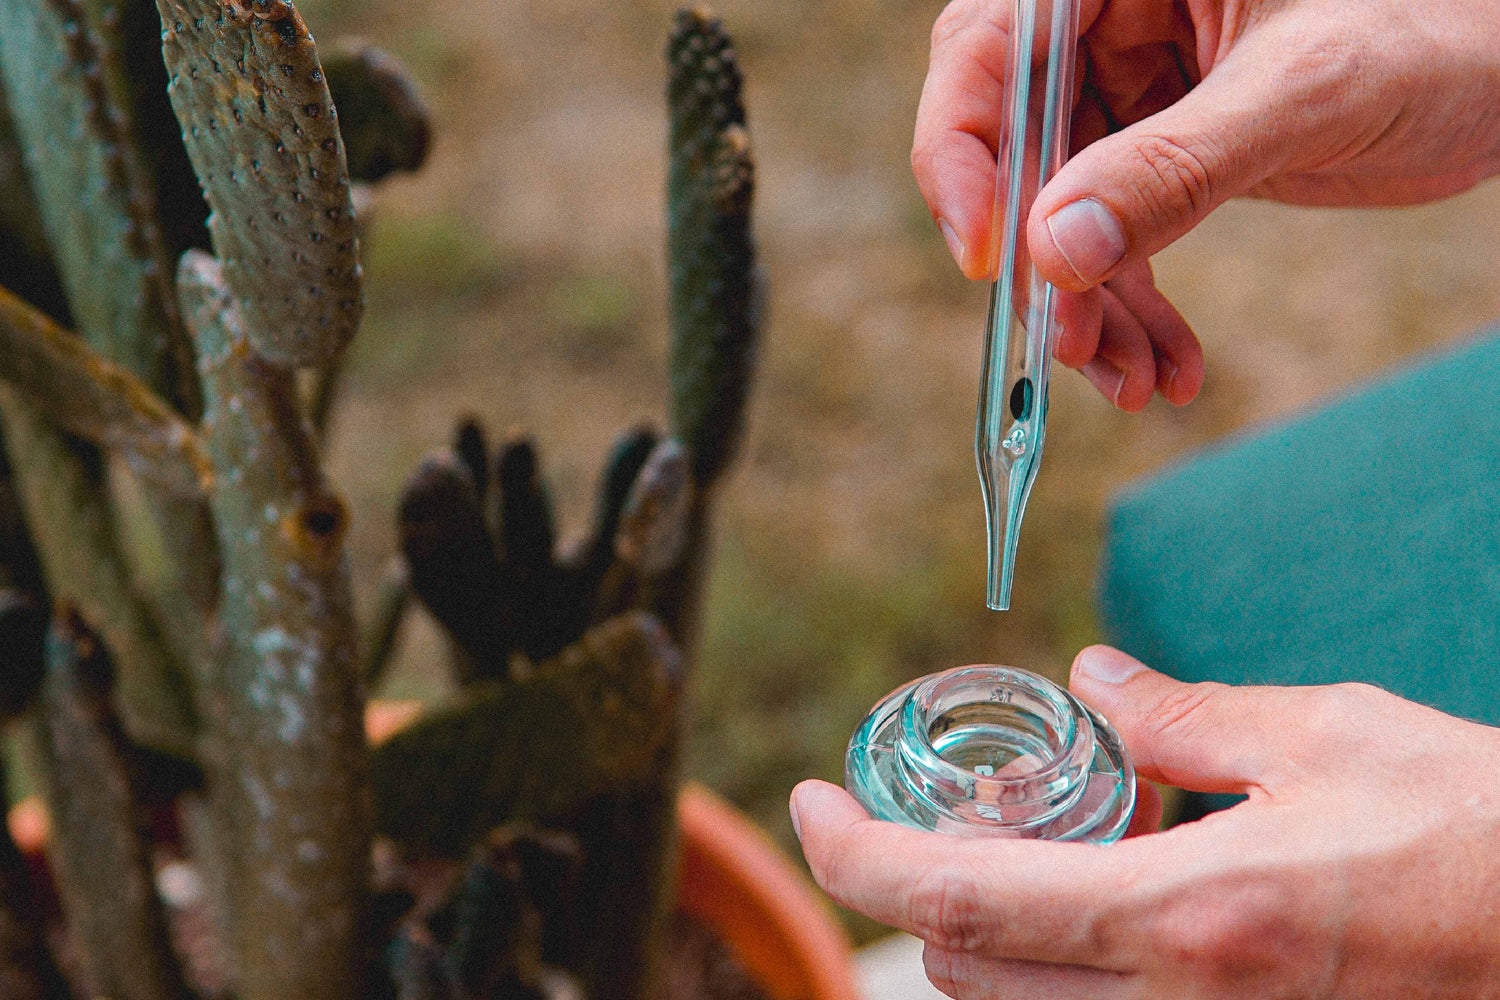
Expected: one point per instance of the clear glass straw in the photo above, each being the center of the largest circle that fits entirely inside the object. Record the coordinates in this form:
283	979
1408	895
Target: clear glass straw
1037	115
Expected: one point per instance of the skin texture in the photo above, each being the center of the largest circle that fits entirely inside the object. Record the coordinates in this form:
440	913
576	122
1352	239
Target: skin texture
1362	865
1184	105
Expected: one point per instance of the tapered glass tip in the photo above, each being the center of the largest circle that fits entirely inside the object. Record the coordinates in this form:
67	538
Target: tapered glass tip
1004	530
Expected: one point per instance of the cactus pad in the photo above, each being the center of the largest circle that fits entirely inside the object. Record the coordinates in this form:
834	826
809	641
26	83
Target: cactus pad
263	134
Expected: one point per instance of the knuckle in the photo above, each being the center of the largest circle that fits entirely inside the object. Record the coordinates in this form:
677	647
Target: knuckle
1178	179
950	23
945	909
1180	717
1244	933
1335	705
924	161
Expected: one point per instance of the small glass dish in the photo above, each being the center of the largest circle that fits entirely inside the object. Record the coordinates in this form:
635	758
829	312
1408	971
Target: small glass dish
992	751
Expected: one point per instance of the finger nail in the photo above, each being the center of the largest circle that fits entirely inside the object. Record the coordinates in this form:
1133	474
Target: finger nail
1107	378
796	823
1171	378
1088	236
955	245
1108	666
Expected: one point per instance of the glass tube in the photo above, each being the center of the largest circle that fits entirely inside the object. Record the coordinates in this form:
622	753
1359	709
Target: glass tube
1037	115
992	751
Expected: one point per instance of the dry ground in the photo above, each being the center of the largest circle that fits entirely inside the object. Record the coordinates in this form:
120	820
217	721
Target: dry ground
520	277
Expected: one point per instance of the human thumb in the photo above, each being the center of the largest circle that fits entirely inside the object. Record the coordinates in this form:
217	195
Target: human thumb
1128	195
1202	737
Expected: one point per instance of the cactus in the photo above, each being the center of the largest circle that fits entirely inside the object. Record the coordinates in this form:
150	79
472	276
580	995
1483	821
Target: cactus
163	306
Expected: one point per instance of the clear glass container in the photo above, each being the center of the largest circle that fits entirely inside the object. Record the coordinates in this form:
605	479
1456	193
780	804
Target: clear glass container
992	751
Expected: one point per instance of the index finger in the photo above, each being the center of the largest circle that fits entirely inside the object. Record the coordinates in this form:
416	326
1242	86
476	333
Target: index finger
1027	899
958	121
958	124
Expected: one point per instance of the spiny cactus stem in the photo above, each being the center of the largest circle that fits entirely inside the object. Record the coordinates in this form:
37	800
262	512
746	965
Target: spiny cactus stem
291	784
597	726
101	847
714	285
87	395
71	104
68	514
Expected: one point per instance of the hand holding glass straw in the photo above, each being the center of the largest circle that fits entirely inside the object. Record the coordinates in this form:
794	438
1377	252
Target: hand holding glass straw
1012	418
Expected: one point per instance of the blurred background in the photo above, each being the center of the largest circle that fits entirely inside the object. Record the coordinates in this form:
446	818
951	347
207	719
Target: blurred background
520	277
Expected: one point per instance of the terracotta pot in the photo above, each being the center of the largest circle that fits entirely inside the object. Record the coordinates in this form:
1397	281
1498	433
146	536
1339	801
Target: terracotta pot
733	878
730	876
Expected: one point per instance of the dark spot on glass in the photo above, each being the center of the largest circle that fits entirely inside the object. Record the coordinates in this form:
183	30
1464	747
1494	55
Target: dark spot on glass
314	173
324	520
311	110
287	30
316	76
1020	399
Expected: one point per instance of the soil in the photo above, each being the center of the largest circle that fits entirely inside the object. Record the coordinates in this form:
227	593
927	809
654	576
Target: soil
699	966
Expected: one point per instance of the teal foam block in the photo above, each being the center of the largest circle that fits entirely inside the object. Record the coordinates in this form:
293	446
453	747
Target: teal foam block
1359	542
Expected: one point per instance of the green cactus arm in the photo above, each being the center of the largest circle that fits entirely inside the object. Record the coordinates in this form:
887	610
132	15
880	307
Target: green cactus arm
384	120
23	623
471	446
27	971
60	487
100	844
89	396
453	567
652	533
286	749
25	260
591	719
651	530
263	135
73	76
525	510
627	454
547	610
69	98
714	298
